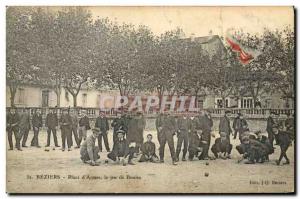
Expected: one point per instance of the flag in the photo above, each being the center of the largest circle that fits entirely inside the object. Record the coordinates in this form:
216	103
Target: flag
244	57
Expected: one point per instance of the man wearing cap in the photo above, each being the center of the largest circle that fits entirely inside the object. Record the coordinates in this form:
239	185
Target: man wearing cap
205	124
148	151
102	124
182	135
84	125
37	123
12	120
89	152
51	124
222	148
168	129
24	126
136	125
270	125
224	125
66	127
121	151
196	144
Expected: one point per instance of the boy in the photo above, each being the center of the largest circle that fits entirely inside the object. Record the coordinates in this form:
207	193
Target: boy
148	151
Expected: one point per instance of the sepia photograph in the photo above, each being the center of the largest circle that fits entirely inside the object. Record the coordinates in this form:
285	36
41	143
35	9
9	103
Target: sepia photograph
150	100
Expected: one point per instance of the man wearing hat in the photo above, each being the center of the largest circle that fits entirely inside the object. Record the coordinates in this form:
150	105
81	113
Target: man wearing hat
37	123
270	125
51	124
66	129
206	124
121	151
84	125
224	125
102	124
24	126
89	152
12	120
222	148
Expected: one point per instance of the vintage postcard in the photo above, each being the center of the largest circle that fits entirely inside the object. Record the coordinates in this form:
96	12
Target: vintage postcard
150	100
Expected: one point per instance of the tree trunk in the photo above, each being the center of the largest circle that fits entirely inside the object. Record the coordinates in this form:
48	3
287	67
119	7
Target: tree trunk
13	91
74	100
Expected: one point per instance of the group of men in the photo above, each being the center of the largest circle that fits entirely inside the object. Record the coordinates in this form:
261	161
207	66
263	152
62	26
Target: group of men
194	133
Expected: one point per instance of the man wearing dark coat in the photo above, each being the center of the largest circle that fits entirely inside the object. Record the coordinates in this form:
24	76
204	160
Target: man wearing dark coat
195	144
37	123
224	125
74	129
148	151
264	140
51	124
205	124
241	126
235	125
84	125
136	125
289	123
182	135
102	124
66	127
121	151
117	124
284	141
158	123
222	148
270	125
24	126
89	153
168	128
12	120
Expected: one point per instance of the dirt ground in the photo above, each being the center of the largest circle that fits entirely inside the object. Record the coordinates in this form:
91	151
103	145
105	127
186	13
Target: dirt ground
34	170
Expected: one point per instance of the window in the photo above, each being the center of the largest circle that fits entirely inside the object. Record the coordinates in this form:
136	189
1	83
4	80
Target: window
247	102
21	96
84	99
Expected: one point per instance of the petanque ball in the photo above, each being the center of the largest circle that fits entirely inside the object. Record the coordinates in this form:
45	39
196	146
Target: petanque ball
206	174
47	150
207	163
106	161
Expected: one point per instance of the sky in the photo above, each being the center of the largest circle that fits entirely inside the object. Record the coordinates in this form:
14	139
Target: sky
199	21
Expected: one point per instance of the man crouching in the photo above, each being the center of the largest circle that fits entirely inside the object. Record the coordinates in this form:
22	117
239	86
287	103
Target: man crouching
148	151
88	151
121	151
222	148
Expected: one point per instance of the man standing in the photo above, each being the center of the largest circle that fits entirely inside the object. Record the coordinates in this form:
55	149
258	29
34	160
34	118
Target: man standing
121	151
89	152
270	126
51	124
117	124
241	126
224	125
37	123
24	126
284	141
135	131
74	129
182	135
66	127
168	129
222	148
84	125
236	124
289	123
205	124
102	124
12	120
